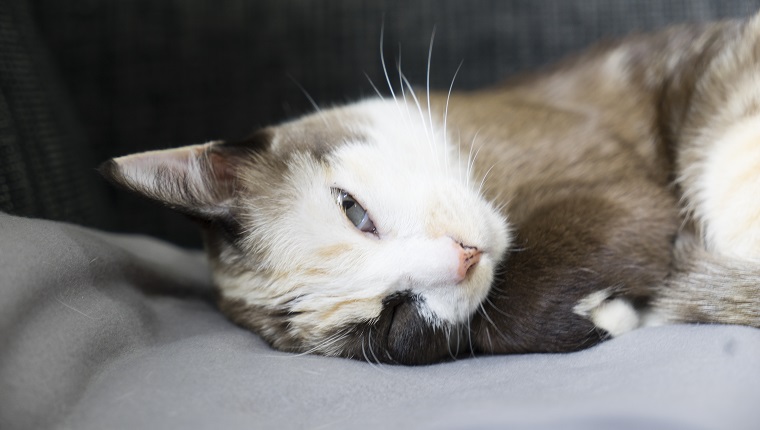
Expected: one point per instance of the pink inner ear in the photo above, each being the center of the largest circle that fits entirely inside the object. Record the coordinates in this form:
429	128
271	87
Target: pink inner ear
217	169
221	167
176	160
195	179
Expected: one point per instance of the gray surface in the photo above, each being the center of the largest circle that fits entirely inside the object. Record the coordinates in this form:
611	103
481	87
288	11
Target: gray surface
97	332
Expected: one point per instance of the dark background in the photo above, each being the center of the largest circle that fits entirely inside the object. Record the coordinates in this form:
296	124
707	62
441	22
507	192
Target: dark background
85	80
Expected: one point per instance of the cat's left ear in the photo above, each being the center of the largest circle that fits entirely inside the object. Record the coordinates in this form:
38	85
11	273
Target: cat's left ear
197	180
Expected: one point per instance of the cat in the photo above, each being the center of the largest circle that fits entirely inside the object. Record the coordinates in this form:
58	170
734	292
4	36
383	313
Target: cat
615	190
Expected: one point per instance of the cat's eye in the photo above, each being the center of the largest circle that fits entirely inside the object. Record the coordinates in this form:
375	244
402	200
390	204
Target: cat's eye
354	211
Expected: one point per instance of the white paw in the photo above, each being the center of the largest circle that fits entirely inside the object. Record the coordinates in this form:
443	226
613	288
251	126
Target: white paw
615	316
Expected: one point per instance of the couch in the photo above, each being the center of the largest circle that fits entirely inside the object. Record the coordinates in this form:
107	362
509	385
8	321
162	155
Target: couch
107	318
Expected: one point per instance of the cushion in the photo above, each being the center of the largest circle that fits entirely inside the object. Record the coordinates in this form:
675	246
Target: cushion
147	74
120	331
46	165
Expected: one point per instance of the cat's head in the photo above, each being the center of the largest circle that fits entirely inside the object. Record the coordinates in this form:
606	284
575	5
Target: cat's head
356	231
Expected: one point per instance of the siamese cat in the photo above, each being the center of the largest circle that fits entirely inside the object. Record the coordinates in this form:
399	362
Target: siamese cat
618	189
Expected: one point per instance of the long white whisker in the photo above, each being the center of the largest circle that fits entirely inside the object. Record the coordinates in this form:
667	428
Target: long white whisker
373	85
485	314
446	116
310	98
382	61
322	345
306	93
470	160
374	364
448	341
483	181
419	108
364	353
445	123
493	306
493	324
427	84
490	341
469	338
369	344
401	84
380	365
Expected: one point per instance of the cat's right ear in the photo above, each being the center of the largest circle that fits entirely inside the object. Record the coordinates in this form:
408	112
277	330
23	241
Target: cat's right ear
198	180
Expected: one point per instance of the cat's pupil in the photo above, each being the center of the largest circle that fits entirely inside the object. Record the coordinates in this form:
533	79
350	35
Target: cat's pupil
355	212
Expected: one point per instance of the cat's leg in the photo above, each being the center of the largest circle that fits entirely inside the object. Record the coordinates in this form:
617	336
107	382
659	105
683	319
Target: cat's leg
587	258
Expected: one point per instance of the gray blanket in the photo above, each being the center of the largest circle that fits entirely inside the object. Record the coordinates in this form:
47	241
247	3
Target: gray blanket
100	331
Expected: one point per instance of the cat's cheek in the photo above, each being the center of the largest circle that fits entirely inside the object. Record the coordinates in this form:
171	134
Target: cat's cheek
342	313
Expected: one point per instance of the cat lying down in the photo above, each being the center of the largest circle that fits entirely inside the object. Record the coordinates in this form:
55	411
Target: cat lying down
618	189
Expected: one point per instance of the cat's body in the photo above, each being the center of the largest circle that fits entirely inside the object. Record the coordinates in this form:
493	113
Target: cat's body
616	190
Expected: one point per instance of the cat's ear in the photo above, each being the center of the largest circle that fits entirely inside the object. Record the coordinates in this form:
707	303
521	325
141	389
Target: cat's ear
198	180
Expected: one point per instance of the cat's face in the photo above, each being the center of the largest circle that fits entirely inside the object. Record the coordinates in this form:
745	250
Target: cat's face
357	231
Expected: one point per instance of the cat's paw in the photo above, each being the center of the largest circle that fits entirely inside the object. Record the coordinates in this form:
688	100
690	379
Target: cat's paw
616	315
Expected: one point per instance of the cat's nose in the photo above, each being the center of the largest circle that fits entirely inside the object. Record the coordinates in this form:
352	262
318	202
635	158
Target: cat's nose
469	256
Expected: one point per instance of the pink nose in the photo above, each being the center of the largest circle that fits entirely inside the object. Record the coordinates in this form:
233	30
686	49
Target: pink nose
469	256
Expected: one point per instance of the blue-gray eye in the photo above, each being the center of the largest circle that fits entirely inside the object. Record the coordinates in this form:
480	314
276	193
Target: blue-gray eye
355	212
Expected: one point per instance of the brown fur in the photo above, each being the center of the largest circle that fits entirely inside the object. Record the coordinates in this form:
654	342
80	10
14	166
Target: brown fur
592	161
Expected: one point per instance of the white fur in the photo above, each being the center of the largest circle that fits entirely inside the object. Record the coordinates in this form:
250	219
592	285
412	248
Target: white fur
616	316
730	192
414	186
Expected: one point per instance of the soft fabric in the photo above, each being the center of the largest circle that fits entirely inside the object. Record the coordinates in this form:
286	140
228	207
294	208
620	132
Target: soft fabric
46	164
102	331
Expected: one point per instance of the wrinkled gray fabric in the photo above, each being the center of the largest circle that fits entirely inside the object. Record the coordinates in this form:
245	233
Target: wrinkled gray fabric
99	331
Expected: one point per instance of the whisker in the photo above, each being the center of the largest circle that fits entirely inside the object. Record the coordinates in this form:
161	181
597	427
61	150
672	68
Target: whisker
472	167
376	364
364	352
408	117
469	338
485	314
373	85
419	108
372	351
329	341
459	152
496	308
448	342
382	61
493	324
483	181
446	115
427	83
308	96
490	341
470	160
